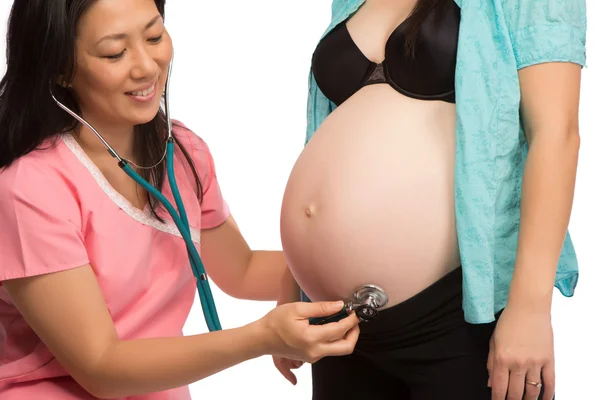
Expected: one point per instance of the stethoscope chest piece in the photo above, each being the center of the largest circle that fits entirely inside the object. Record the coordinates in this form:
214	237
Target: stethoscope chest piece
368	298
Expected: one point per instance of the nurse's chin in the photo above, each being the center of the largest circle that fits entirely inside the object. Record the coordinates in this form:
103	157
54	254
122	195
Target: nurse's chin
140	118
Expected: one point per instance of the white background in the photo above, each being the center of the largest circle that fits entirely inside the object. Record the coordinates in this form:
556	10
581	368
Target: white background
240	82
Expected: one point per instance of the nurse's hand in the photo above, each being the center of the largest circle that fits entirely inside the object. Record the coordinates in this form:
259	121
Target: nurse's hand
291	337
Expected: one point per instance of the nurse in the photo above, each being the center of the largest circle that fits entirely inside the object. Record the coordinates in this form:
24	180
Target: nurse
440	164
95	282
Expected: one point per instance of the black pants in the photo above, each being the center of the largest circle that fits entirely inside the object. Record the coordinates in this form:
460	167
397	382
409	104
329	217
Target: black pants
421	349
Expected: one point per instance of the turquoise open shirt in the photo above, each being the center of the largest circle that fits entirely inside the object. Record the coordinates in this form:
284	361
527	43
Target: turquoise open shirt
496	39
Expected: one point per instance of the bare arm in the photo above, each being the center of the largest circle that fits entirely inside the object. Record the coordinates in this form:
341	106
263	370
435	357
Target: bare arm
550	103
290	291
237	270
68	313
522	348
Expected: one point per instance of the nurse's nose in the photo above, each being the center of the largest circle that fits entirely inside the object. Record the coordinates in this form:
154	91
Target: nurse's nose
144	66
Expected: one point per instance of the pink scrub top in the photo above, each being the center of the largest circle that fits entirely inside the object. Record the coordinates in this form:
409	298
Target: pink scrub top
57	211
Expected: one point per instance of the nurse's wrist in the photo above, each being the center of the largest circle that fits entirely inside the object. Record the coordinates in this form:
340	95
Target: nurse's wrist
258	336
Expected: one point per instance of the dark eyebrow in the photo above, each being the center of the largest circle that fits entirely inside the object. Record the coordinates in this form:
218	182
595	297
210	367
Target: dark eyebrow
120	36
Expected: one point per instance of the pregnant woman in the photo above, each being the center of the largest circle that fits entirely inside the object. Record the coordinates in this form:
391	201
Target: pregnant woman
440	165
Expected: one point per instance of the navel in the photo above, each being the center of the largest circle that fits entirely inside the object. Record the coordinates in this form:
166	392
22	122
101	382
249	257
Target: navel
310	211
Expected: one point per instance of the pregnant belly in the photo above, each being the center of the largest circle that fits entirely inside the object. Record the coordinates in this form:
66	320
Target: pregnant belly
370	200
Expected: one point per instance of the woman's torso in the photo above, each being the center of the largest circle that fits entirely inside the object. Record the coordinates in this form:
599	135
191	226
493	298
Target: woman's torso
371	198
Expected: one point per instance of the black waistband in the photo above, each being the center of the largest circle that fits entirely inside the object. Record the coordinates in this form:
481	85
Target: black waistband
432	312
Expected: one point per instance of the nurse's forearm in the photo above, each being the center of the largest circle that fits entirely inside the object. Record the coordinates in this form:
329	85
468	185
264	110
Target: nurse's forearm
236	269
547	198
135	367
263	275
289	291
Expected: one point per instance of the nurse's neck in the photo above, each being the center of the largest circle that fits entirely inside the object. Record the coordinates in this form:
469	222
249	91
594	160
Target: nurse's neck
119	137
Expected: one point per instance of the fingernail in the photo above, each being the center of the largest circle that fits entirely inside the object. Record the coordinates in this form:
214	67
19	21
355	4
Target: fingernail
338	304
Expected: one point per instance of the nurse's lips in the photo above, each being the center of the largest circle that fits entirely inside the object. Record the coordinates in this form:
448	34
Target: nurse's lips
145	93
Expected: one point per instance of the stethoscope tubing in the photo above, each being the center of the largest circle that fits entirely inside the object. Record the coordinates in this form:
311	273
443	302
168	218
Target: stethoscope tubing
181	221
179	216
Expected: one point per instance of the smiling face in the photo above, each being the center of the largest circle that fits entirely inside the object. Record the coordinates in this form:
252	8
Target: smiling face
123	53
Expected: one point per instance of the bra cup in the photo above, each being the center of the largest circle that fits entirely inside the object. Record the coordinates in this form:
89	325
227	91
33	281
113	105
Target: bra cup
341	69
338	65
429	73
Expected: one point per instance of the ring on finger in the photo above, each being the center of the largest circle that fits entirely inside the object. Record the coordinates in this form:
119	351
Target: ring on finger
536	384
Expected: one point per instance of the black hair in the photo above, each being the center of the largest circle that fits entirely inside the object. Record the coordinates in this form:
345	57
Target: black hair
40	52
420	12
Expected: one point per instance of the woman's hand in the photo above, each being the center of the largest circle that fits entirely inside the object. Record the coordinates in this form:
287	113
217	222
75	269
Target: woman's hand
285	367
521	355
292	340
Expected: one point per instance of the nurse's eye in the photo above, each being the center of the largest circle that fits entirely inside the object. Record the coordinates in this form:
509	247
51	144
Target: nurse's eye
115	56
156	39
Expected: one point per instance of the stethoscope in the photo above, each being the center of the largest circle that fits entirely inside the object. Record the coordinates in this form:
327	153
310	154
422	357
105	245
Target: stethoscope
180	219
367	299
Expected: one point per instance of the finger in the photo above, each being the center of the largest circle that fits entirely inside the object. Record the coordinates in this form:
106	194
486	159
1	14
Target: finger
490	363
352	335
499	381
341	347
285	371
516	385
319	309
549	381
335	330
532	392
292	364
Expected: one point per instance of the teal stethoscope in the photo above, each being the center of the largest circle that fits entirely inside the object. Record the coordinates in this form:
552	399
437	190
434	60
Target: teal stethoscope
180	219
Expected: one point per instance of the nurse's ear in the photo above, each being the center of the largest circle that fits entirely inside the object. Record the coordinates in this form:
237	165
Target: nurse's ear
63	82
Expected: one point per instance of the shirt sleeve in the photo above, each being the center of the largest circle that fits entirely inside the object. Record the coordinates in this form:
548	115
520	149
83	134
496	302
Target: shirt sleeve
214	208
547	30
40	223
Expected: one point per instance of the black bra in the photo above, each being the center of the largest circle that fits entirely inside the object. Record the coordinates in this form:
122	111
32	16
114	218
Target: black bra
341	69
